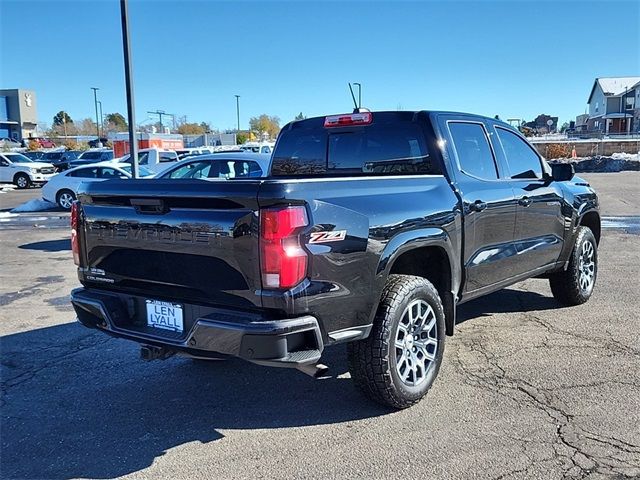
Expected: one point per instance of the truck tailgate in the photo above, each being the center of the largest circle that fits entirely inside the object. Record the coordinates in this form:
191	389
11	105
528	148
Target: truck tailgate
195	241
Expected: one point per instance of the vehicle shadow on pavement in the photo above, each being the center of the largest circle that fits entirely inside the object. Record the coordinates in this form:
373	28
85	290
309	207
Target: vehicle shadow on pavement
49	245
77	403
505	301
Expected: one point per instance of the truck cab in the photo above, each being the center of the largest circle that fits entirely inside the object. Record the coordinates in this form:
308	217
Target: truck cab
155	159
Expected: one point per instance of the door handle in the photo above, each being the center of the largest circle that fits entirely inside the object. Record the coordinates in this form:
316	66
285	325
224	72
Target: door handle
478	206
524	201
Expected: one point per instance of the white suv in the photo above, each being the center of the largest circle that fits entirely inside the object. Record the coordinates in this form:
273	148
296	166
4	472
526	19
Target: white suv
22	171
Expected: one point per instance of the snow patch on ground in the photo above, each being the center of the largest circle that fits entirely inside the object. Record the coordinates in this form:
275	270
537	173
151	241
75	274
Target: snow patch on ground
626	156
617	162
5	216
7	188
35	205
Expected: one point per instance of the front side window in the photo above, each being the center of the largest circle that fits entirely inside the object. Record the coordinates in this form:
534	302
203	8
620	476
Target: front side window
522	160
107	172
191	170
473	151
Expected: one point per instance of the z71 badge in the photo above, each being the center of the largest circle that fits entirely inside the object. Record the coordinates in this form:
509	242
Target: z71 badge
324	237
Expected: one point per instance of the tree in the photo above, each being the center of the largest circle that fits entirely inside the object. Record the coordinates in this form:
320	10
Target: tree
241	138
61	117
191	129
265	125
206	127
116	122
86	127
564	127
300	116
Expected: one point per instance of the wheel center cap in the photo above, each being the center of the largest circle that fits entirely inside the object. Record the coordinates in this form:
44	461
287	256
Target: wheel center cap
408	341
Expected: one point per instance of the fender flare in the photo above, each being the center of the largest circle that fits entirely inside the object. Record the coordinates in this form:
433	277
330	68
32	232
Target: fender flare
420	238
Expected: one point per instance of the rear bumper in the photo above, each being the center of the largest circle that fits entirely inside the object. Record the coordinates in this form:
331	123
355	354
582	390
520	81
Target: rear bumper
292	342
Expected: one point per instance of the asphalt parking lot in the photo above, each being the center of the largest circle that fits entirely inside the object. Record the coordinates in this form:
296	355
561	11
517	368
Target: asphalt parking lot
527	389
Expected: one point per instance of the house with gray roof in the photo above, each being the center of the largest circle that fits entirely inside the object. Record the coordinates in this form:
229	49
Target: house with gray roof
614	105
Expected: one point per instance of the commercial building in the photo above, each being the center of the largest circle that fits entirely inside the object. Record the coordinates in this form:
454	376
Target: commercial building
18	113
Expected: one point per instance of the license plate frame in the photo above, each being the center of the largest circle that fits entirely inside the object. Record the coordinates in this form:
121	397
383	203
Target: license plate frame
164	315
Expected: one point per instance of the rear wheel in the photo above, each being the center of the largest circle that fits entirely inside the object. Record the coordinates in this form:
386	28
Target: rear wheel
22	181
399	361
65	199
574	285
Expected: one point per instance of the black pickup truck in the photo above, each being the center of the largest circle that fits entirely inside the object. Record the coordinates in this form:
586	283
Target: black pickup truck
369	229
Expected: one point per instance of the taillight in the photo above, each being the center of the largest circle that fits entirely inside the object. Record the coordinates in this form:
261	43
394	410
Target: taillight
282	258
348	119
75	221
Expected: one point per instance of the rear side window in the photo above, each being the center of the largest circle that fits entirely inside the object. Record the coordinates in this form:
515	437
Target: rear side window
473	151
85	173
522	160
91	155
393	144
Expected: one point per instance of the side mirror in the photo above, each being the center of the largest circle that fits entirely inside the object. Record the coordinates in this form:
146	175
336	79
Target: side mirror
562	172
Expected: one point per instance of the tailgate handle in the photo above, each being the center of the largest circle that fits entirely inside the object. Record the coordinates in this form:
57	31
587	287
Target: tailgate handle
149	206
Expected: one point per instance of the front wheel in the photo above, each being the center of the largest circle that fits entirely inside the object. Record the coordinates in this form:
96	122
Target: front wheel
399	361
574	285
22	181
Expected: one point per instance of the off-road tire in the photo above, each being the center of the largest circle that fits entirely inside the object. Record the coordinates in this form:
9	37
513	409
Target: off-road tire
22	181
565	285
372	361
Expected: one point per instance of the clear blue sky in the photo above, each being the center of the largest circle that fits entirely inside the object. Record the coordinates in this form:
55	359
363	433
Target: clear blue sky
512	58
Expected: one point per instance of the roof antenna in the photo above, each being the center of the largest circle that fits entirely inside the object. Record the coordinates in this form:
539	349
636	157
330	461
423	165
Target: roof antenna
357	107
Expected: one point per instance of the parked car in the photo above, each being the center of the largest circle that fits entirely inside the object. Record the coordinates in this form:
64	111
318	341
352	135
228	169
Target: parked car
43	142
22	171
370	229
35	155
214	166
92	156
256	147
98	142
6	142
61	159
155	159
192	152
63	187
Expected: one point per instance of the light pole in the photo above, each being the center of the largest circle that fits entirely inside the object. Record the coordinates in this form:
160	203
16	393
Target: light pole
128	79
238	111
101	118
95	101
359	94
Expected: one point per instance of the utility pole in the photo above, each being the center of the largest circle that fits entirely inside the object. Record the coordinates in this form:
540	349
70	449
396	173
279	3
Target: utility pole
160	113
238	111
128	79
95	101
64	125
101	117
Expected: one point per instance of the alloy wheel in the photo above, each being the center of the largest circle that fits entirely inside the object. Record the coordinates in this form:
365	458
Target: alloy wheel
587	266
416	342
66	200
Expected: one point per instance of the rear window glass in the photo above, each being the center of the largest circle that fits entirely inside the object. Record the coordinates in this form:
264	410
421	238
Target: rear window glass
392	145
